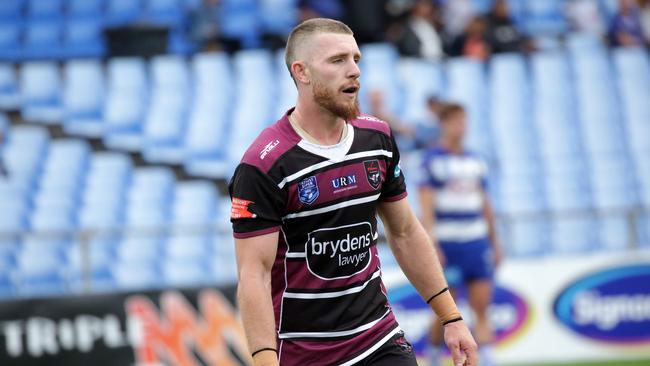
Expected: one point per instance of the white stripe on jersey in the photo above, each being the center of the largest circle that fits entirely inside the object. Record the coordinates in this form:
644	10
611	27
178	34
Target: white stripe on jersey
326	163
337	206
450	201
342	333
329	295
373	348
461	230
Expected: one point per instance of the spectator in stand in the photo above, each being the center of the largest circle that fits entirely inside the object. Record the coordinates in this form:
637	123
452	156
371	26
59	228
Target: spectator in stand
625	29
418	34
309	9
645	19
473	42
502	32
204	25
585	16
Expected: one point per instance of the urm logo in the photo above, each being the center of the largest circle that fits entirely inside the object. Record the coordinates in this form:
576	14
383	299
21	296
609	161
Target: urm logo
611	305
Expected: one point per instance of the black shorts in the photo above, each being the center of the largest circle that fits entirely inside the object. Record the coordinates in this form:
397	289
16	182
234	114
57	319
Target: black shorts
397	351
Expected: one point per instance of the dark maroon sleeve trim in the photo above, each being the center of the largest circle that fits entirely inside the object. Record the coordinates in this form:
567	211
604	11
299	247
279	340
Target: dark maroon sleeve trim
394	198
251	234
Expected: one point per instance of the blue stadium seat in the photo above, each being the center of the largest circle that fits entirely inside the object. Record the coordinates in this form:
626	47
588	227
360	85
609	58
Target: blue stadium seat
278	16
633	71
545	17
613	182
9	93
78	9
45	9
135	276
83	97
577	41
642	224
467	85
84	38
509	88
186	272
120	12
43	39
222	264
288	93
139	248
195	204
378	64
10	40
165	123
239	19
148	198
126	103
167	12
571	234
419	80
40	85
527	237
208	124
246	122
24	153
613	232
11	10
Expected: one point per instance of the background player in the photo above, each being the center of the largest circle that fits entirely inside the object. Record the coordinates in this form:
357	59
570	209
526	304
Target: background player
308	190
457	212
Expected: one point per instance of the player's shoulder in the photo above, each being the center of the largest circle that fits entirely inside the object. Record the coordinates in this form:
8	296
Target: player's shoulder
269	146
368	122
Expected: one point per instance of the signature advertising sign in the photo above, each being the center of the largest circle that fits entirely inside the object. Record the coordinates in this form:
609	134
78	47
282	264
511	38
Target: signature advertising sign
611	305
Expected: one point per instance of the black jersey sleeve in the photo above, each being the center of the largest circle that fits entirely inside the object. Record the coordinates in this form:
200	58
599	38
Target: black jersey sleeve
257	202
394	187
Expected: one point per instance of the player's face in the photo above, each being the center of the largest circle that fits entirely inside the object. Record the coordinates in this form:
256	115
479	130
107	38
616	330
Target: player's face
335	74
454	127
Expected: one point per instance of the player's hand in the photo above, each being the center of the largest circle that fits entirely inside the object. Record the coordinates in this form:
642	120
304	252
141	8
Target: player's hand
459	340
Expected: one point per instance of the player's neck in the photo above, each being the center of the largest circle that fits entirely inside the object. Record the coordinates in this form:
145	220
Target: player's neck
323	127
454	147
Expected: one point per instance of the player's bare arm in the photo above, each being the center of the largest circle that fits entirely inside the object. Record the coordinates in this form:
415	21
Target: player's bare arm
255	258
415	255
427	198
488	213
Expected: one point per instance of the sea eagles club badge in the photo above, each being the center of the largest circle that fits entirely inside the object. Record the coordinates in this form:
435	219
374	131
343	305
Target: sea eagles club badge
373	173
308	190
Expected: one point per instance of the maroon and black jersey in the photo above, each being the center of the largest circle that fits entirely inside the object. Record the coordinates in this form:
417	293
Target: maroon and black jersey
329	300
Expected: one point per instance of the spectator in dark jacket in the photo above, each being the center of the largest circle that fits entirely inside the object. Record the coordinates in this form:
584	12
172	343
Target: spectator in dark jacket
502	32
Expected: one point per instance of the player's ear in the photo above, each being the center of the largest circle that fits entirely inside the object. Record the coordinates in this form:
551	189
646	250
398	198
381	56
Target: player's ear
300	72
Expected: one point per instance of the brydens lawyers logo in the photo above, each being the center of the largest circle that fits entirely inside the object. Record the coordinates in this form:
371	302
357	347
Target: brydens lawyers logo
373	173
339	252
308	190
612	305
509	314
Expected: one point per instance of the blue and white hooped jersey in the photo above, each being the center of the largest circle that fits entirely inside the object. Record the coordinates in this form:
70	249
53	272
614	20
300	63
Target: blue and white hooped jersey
459	181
